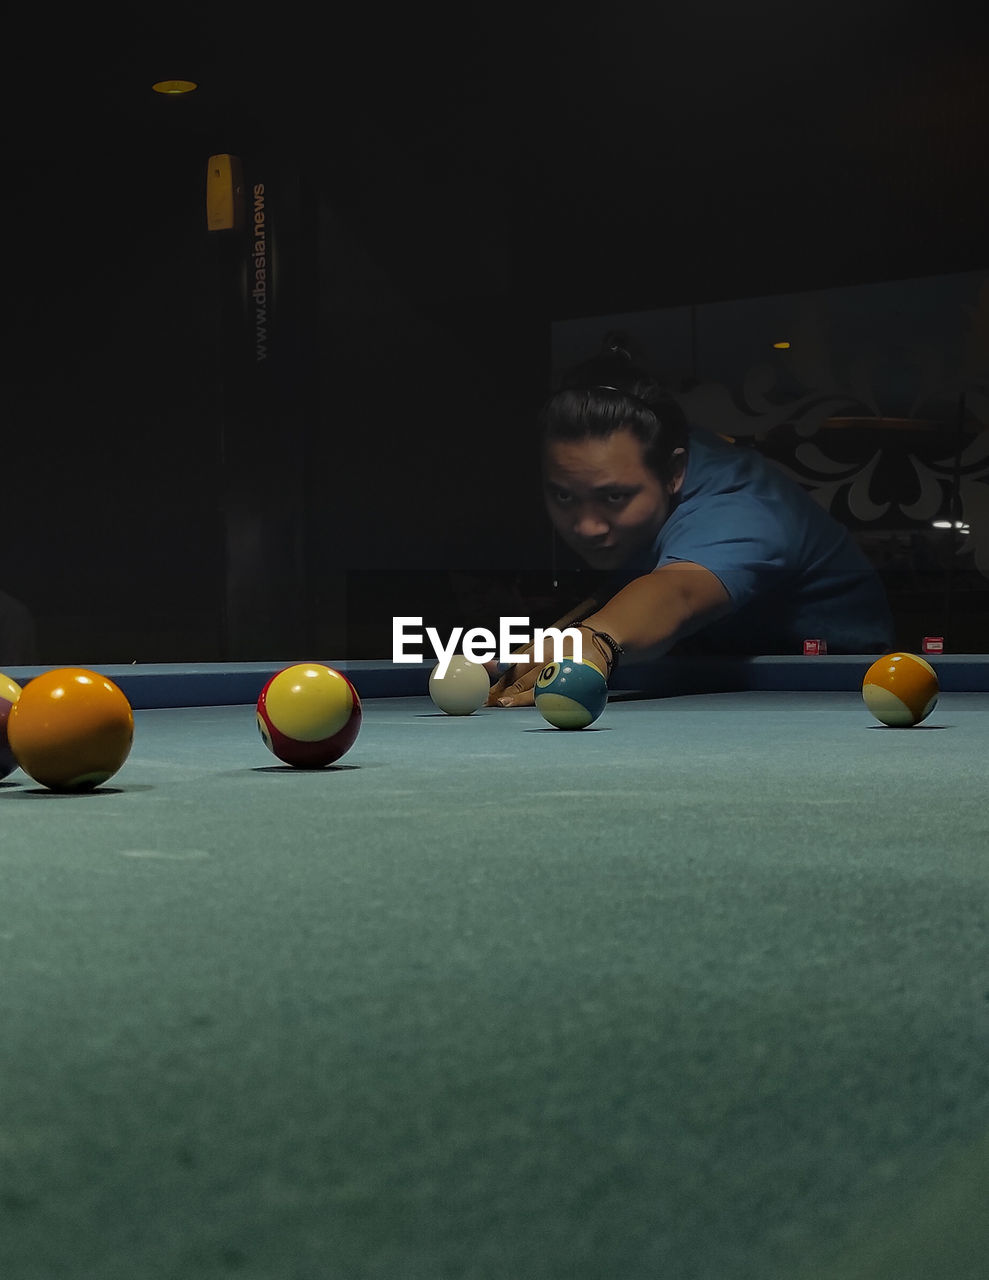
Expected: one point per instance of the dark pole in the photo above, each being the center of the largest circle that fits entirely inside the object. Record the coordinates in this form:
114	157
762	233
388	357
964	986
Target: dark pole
954	516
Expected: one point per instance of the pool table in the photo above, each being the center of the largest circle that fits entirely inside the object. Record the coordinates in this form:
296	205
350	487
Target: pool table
698	993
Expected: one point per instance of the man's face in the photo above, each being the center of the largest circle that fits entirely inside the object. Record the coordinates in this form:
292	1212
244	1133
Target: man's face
603	500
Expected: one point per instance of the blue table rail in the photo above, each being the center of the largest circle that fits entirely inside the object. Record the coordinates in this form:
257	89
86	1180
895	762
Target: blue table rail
152	685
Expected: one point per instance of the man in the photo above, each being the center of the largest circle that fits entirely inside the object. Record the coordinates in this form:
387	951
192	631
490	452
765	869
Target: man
702	540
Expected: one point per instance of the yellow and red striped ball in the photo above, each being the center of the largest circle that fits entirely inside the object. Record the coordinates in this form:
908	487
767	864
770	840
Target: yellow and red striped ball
10	691
900	689
71	729
309	715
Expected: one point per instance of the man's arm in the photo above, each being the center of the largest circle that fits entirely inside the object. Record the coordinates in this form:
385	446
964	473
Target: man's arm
651	613
646	618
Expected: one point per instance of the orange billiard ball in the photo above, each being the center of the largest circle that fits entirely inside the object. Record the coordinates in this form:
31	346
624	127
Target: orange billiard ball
900	689
71	729
10	691
309	715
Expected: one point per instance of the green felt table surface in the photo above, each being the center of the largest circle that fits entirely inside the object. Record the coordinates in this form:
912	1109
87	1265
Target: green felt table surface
700	993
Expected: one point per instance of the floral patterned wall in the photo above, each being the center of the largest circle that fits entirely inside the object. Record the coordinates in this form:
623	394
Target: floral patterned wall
874	397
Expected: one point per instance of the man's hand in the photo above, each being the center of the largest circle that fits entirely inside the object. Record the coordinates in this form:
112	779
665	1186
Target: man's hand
515	687
646	618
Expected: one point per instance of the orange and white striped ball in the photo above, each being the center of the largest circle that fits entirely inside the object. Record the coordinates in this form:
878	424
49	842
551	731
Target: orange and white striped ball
71	729
309	715
900	689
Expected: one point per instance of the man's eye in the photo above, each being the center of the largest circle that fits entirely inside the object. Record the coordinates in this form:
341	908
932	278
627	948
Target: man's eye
616	499
560	496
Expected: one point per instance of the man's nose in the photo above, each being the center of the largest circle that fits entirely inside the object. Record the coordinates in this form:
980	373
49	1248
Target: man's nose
589	525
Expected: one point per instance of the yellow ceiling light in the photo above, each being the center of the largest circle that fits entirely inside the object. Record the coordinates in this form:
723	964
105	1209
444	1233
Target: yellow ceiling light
781	346
175	86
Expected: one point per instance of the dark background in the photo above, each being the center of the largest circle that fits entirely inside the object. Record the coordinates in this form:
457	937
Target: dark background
443	186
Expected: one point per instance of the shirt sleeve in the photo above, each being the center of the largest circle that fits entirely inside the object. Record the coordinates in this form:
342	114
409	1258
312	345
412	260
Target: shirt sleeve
740	539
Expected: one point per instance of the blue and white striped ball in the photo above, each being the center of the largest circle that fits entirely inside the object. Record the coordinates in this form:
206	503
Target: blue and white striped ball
570	695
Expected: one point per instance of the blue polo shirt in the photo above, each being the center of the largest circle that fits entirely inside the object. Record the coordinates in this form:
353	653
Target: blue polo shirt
792	571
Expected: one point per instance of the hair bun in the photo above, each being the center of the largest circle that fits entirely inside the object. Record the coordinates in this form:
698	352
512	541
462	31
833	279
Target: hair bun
617	344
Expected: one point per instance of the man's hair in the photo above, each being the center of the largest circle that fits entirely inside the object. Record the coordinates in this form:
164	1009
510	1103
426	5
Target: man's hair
609	392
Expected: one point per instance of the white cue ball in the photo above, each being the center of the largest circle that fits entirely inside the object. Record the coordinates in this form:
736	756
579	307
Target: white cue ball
463	689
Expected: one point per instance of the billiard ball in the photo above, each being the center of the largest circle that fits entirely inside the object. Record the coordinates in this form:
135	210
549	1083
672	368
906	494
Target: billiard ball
309	715
900	689
71	729
570	695
461	689
10	691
